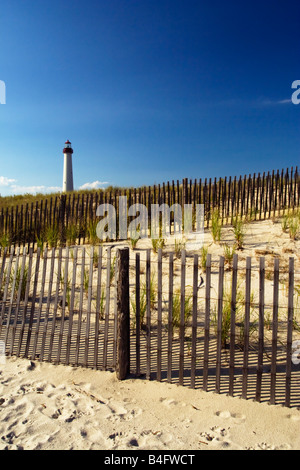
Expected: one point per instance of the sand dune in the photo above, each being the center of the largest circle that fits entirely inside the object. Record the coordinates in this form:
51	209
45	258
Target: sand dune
47	406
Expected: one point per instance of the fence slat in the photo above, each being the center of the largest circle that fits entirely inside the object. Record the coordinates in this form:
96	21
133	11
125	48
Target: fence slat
63	305
170	317
71	306
98	307
207	321
5	293
14	329
148	314
80	308
107	305
23	322
219	327
274	332
55	303
246	327
115	315
182	317
39	313
159	313
88	311
3	266
232	323
194	321
260	328
137	314
12	296
44	336
289	334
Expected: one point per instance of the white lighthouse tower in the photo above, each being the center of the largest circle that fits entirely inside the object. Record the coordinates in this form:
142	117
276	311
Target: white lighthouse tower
68	171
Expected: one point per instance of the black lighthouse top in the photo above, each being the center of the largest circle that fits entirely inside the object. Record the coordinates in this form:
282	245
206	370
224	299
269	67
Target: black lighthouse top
68	148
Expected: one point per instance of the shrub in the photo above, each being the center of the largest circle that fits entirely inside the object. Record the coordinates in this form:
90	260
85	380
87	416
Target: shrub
239	232
293	227
96	259
203	257
228	253
285	223
179	246
158	243
291	223
133	242
52	236
72	233
5	241
20	284
216	226
92	232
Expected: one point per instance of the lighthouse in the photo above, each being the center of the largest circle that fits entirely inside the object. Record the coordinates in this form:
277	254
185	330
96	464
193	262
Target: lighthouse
68	171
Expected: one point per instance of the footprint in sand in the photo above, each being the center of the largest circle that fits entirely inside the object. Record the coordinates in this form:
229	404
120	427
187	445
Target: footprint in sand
237	418
294	417
266	446
169	402
216	435
119	412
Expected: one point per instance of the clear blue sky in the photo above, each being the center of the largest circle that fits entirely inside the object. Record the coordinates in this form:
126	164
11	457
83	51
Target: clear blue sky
146	90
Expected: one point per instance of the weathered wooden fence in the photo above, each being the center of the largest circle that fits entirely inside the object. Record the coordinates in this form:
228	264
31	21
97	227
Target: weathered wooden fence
215	332
56	306
66	218
228	329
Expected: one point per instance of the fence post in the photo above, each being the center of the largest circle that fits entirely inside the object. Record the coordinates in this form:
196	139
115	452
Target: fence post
123	314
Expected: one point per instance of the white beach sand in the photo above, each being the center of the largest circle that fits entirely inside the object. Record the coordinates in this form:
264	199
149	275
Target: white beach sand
46	406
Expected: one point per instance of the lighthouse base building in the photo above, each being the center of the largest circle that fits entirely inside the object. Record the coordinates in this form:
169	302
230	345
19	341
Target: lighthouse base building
68	169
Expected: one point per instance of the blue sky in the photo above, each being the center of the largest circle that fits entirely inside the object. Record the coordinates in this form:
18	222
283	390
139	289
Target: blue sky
147	91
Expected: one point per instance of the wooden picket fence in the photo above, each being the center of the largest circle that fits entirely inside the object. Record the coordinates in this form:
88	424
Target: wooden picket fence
67	218
242	348
157	316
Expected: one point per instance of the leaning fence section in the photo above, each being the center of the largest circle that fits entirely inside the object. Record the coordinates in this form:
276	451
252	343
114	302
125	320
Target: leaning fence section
57	306
225	328
69	218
